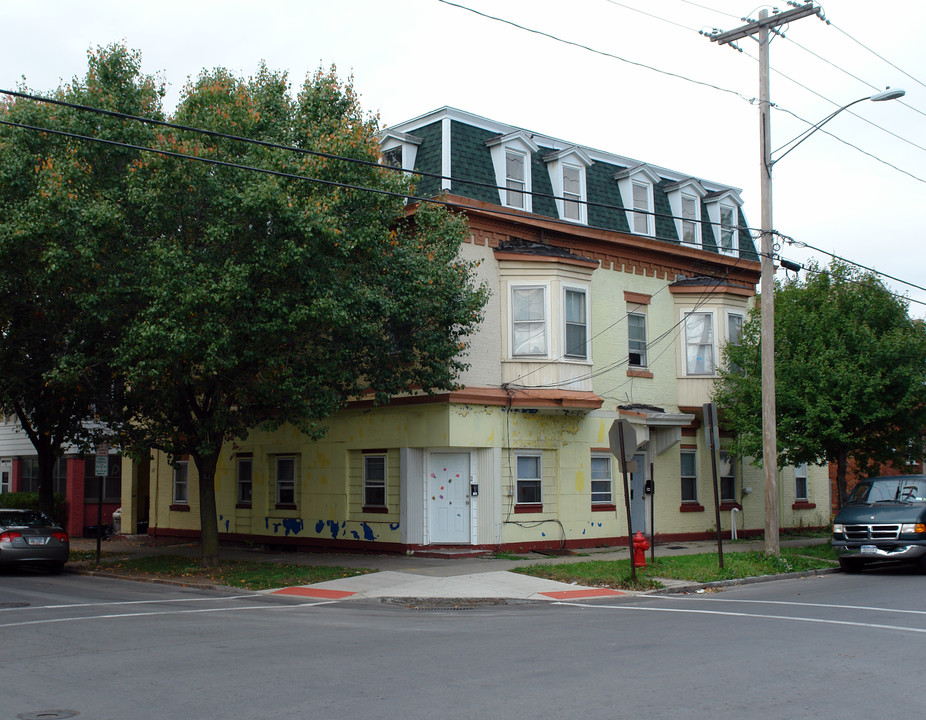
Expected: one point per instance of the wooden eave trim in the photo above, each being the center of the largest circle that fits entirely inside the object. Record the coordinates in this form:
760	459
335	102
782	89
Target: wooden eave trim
498	397
711	290
526	257
591	241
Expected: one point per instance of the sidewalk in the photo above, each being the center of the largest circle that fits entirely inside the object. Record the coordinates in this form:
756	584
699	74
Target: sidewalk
434	581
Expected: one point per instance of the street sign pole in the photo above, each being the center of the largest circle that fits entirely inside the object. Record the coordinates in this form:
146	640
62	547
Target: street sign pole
623	442
102	470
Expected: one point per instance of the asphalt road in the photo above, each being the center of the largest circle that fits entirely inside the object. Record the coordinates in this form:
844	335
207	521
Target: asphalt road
846	646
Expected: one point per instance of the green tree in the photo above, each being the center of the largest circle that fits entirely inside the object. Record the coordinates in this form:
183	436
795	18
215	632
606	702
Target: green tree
850	371
64	240
271	299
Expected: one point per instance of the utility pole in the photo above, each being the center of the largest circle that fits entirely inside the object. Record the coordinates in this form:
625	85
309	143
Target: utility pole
760	29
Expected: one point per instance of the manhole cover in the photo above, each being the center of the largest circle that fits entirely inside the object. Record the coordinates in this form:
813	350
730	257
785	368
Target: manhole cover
440	608
48	715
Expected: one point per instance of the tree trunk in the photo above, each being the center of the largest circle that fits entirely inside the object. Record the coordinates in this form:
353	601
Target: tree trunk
47	459
842	462
208	520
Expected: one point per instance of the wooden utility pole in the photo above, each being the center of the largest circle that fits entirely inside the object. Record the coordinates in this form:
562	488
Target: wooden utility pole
760	28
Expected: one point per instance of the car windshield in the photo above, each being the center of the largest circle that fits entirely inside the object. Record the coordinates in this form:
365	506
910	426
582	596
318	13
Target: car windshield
899	489
30	518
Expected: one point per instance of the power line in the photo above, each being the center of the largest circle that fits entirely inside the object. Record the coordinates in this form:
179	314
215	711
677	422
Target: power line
598	52
880	57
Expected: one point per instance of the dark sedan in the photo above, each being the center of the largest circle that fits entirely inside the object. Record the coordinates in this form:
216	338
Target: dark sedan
28	536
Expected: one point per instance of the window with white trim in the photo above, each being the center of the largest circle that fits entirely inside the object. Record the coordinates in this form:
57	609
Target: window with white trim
734	328
689	475
515	178
728	235
636	339
572	192
528	321
286	480
601	479
393	157
726	471
245	479
576	323
529	478
374	480
699	343
641	206
690	231
800	483
181	482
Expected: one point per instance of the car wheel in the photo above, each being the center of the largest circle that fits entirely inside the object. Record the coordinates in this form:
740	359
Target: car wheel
849	565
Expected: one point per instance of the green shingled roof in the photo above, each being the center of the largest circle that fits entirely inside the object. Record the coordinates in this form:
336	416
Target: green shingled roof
474	177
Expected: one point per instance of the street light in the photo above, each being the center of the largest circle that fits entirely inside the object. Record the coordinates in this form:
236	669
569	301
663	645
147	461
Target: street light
766	288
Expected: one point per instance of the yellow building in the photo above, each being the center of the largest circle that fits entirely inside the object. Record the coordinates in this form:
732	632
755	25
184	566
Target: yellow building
614	286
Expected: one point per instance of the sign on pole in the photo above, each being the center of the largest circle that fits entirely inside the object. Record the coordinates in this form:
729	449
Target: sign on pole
623	428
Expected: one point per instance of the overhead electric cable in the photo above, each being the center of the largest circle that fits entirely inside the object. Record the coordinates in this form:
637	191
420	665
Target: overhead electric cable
603	53
880	57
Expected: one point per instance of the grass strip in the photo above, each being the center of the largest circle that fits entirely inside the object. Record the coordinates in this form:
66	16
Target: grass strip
700	568
248	575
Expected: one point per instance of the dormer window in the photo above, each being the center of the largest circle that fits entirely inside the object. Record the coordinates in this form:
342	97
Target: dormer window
511	157
685	201
567	177
641	207
728	238
723	209
515	183
572	192
636	186
398	150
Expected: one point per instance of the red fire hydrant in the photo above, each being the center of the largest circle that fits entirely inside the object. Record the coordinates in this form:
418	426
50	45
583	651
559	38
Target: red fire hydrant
640	546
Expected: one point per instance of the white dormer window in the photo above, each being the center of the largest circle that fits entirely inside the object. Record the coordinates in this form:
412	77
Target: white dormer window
511	157
572	192
637	186
728	239
641	207
568	179
723	210
515	163
685	201
690	234
399	150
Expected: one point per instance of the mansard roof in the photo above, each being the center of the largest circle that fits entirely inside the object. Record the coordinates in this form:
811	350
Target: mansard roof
458	145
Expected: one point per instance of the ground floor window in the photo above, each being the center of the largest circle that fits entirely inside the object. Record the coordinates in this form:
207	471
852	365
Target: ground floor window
286	480
245	480
601	479
181	482
689	475
529	480
800	483
112	483
374	480
726	471
29	481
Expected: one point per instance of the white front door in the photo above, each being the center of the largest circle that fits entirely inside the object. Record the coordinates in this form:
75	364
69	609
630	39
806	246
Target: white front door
448	497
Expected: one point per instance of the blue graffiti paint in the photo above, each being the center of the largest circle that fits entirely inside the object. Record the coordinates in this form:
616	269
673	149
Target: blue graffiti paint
393	526
319	526
266	523
543	534
334	527
367	532
292	525
227	523
355	534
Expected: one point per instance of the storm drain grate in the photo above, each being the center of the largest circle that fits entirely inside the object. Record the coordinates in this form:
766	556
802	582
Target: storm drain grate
48	715
440	608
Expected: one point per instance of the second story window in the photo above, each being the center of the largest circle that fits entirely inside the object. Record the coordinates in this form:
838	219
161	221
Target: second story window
393	157
528	321
636	339
576	324
515	178
699	343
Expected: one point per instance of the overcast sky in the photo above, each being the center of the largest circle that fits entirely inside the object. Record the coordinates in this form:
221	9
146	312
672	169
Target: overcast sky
412	56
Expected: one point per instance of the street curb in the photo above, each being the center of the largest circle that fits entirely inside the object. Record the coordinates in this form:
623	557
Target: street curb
694	587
